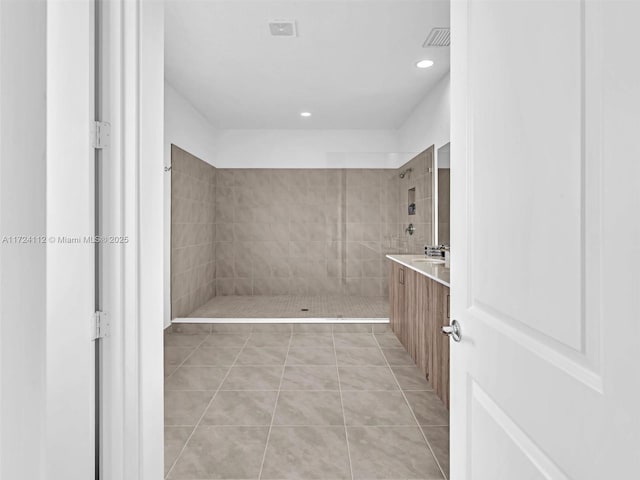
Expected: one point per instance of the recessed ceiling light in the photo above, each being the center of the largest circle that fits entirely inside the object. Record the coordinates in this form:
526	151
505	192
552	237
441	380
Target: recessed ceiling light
283	28
424	63
305	114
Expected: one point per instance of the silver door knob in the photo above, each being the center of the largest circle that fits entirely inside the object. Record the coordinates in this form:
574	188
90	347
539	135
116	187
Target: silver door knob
453	330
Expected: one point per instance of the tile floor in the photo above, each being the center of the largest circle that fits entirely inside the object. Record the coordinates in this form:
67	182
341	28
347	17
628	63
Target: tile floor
301	401
291	306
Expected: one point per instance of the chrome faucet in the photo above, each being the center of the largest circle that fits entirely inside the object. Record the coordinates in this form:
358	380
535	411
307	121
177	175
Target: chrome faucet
435	250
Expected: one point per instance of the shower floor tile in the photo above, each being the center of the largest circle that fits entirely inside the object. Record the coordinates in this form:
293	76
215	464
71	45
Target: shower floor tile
278	404
293	306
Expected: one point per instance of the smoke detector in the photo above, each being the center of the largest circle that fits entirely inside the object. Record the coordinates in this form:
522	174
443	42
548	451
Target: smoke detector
283	28
438	37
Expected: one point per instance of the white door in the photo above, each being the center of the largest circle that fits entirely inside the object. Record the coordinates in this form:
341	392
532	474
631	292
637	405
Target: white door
545	240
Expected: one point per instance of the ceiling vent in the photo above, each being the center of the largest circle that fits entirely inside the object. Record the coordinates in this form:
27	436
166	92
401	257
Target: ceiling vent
438	37
283	28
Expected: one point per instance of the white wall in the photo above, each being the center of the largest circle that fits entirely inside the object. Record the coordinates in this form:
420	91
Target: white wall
430	122
306	149
22	212
187	128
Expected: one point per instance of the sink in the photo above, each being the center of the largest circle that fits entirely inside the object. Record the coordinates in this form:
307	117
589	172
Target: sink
433	261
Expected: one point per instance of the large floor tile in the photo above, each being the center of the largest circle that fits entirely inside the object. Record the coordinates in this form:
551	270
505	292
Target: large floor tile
390	453
428	408
352	327
308	414
388	340
183	340
269	340
272	328
222	453
191	328
184	407
310	378
367	378
241	408
196	378
308	408
226	340
382	328
213	356
174	439
398	356
311	356
325	328
176	355
370	356
253	378
262	356
438	438
234	328
350	340
307	453
311	340
376	408
411	378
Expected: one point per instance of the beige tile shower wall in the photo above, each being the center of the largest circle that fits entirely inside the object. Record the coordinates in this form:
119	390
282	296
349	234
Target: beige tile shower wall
193	215
420	178
303	231
444	205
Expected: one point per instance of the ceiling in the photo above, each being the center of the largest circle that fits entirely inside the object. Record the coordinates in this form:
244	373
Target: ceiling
352	65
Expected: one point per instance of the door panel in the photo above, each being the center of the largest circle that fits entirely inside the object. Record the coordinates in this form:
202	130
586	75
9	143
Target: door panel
398	300
423	327
538	384
438	343
539	163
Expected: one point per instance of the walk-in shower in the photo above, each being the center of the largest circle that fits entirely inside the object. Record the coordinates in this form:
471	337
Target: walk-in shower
291	243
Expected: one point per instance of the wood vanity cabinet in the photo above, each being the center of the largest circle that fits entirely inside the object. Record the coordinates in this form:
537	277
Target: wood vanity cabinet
397	301
419	308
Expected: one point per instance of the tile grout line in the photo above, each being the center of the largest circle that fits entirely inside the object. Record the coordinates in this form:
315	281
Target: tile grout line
185	358
195	427
344	417
412	412
275	406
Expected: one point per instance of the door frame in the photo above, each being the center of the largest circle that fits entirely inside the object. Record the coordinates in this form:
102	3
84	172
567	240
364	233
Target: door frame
132	411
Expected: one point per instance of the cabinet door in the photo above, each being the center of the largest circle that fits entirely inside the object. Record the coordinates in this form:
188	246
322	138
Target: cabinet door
396	298
412	310
439	343
422	330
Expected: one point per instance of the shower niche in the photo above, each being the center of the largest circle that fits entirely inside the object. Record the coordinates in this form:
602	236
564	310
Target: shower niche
411	201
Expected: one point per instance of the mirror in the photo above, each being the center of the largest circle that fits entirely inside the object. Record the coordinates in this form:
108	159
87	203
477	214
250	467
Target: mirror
443	195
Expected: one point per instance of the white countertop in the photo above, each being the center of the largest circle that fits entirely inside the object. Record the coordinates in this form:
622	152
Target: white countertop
434	271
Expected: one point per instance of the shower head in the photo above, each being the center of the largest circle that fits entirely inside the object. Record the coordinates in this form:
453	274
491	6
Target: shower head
404	172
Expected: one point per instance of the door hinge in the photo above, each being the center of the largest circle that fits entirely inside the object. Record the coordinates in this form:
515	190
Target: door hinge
101	326
100	132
